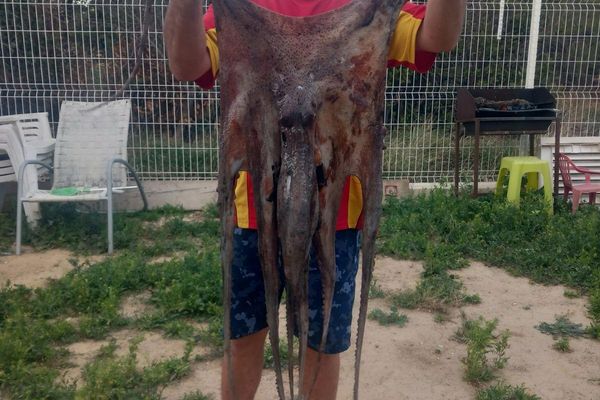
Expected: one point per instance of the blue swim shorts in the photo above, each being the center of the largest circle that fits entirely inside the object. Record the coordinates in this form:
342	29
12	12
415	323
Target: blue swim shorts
248	310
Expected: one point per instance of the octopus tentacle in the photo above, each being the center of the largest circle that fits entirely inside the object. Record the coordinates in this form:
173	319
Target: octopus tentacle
324	244
296	215
290	327
266	161
373	196
268	250
227	226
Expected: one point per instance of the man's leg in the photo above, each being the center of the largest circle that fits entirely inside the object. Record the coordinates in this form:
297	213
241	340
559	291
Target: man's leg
338	339
248	318
247	365
326	384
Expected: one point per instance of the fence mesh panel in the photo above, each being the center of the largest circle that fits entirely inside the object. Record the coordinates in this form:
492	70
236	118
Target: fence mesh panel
53	50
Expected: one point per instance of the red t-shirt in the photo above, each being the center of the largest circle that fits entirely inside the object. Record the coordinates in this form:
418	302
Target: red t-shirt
403	52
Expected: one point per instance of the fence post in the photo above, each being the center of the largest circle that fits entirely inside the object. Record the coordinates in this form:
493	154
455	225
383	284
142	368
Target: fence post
534	35
501	19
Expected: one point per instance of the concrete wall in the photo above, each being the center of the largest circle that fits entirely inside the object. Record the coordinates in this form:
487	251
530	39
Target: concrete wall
194	195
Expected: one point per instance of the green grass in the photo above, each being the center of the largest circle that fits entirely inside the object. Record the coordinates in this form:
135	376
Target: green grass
36	325
113	377
7	230
435	292
594	306
446	230
387	319
571	294
593	330
562	345
525	240
375	291
502	391
442	230
197	395
486	349
440	318
284	355
438	289
182	159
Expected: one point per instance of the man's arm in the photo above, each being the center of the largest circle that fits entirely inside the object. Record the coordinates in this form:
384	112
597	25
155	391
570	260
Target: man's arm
185	39
442	25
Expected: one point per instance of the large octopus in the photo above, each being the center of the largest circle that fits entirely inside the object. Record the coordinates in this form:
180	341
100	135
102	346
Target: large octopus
302	109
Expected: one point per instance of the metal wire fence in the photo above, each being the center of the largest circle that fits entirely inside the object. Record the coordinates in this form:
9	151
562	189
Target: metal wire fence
52	50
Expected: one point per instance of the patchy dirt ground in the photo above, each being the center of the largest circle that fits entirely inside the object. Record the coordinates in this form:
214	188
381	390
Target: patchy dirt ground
34	269
417	362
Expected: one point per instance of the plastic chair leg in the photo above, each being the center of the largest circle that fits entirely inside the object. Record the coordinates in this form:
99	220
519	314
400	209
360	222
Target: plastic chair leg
109	216
532	181
501	176
548	192
514	186
2	196
576	200
19	225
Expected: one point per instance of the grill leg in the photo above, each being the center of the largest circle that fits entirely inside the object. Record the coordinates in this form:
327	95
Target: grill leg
556	153
531	145
456	158
476	159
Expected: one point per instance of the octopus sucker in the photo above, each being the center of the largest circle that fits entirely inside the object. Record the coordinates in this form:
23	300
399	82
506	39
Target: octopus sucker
300	116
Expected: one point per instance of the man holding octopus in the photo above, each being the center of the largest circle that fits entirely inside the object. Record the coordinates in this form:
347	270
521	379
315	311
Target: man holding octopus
422	31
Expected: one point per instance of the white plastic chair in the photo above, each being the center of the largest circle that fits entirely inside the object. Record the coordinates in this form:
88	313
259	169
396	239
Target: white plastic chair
24	136
91	139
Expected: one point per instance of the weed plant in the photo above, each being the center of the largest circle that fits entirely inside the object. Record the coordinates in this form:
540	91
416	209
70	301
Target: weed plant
196	396
7	231
571	294
594	306
375	291
486	350
387	319
436	291
562	345
562	327
593	330
284	355
440	318
503	391
113	377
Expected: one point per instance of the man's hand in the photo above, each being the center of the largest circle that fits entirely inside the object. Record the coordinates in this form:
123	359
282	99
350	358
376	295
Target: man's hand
442	25
185	39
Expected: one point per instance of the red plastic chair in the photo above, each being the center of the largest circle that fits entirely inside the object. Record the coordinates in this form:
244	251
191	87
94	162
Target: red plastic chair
566	166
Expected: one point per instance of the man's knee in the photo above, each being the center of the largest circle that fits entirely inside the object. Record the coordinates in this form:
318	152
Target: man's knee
250	345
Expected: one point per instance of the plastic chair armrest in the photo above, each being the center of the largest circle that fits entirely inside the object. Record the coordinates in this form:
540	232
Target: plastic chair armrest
109	178
22	167
585	170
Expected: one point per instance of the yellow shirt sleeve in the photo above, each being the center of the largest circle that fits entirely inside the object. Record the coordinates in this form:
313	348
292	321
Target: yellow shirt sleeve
213	50
404	40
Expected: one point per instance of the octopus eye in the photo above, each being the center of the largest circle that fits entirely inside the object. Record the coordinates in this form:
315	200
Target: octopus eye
288	120
308	120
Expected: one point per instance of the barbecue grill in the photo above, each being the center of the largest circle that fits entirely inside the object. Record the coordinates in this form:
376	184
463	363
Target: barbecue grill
487	112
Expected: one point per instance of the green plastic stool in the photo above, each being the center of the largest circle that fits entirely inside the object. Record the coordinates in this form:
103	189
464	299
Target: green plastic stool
516	167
